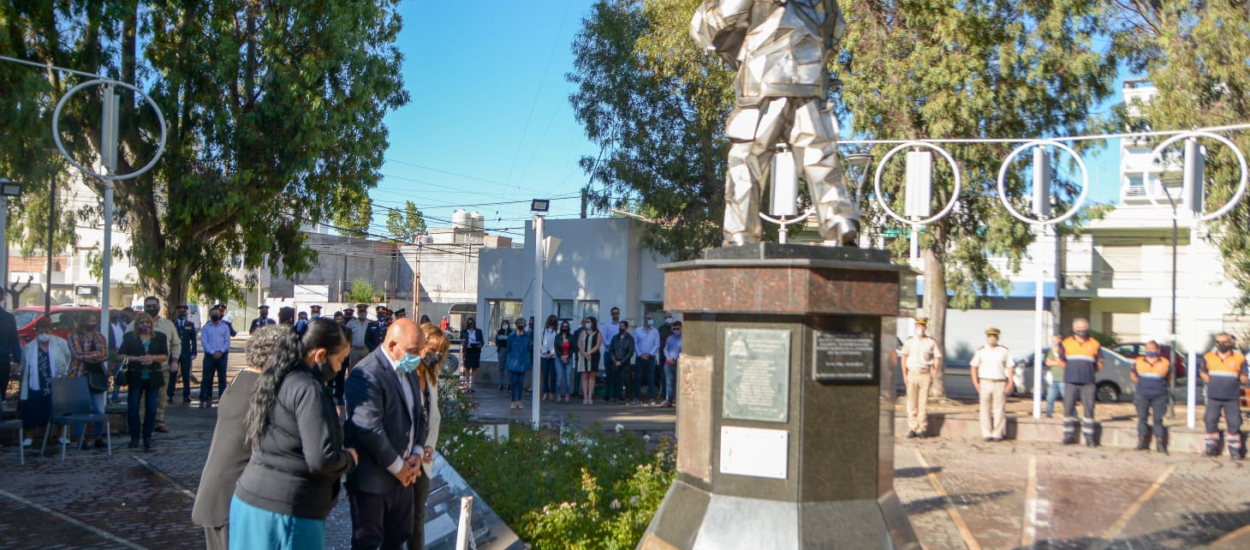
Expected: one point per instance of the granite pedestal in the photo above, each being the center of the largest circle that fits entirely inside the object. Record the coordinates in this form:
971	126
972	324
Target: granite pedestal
785	418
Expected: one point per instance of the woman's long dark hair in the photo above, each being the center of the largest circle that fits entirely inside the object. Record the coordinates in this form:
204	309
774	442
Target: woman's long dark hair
553	323
321	333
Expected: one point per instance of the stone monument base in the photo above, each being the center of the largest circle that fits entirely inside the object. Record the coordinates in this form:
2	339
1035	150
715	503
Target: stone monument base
785	419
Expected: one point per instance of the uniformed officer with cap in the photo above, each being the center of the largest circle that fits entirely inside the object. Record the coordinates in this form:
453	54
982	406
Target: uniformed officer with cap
262	320
991	375
185	332
359	325
376	330
921	361
401	313
314	311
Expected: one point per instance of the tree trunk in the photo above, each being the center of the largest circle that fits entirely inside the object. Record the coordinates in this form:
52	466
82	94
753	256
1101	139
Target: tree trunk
935	308
175	288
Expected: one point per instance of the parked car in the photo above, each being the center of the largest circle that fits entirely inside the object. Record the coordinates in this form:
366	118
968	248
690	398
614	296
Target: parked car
1137	349
64	320
1114	380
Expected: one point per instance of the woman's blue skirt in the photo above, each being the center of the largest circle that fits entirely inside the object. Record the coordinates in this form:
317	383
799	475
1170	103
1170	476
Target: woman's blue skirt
253	528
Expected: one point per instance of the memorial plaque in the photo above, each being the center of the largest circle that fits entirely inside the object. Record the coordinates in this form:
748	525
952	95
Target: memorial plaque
842	356
694	424
754	452
757	370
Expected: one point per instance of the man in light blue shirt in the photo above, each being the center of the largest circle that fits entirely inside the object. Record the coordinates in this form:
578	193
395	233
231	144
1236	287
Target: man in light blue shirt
215	341
672	352
647	342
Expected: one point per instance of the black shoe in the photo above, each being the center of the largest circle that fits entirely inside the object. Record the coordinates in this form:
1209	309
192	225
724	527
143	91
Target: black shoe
169	400
921	435
1090	443
989	439
147	444
99	444
134	444
911	434
1142	444
1161	447
1069	439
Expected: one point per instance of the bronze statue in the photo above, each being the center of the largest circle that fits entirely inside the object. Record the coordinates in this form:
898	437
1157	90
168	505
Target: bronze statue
781	50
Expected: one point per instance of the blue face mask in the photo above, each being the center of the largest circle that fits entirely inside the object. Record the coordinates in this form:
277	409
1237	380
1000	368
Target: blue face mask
409	363
1152	354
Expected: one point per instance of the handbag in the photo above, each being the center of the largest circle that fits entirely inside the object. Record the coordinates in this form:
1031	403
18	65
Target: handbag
97	377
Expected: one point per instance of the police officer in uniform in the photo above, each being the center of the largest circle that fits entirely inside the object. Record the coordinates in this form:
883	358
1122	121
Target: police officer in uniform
1081	360
262	320
991	374
1223	370
401	313
921	362
373	330
184	330
1151	373
314	311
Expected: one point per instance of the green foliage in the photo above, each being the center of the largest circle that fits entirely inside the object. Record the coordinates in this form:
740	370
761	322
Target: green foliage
1195	55
274	112
646	95
361	292
405	226
586	490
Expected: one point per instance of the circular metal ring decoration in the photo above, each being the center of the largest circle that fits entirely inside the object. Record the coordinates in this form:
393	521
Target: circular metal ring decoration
1241	184
56	134
1002	183
949	204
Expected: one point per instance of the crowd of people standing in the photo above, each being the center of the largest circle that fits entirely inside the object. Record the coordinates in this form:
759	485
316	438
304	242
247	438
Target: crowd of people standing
640	365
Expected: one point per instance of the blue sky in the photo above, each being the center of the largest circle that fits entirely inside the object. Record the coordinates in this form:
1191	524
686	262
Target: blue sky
489	119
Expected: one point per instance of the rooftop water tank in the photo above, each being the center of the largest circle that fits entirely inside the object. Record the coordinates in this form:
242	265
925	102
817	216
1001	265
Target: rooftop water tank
476	222
460	219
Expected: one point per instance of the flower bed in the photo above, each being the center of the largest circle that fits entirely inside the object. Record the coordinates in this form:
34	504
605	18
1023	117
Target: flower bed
559	489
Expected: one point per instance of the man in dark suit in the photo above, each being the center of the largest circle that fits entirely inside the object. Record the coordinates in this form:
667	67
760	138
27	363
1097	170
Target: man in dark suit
375	331
10	347
184	330
384	424
262	320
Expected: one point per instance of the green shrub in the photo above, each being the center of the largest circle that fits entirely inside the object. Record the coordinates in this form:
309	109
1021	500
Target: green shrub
572	489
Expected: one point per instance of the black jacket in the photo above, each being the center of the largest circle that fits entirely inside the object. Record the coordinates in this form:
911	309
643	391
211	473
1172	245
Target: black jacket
133	346
622	348
10	345
296	467
227	456
186	334
379	421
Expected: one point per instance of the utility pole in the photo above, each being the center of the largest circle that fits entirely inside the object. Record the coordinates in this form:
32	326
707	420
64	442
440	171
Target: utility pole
416	286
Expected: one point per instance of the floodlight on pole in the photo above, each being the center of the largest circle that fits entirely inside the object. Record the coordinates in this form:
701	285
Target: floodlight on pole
540	206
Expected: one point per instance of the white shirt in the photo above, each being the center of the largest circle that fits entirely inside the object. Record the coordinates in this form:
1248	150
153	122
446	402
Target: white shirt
549	338
409	399
992	363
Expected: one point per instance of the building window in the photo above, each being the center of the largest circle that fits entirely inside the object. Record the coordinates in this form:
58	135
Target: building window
564	310
590	308
501	310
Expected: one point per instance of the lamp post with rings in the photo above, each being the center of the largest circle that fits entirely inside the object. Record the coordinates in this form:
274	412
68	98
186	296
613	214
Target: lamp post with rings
108	161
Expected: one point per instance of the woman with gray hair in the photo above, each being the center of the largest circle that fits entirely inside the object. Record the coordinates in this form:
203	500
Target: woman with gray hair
269	346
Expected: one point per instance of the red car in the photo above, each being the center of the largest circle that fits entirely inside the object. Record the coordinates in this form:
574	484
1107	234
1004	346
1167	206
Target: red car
1134	350
64	320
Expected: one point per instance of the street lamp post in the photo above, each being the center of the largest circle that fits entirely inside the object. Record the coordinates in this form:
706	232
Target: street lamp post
539	207
7	189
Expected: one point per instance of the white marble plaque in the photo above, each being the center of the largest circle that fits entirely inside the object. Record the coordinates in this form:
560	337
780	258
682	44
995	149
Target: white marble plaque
754	452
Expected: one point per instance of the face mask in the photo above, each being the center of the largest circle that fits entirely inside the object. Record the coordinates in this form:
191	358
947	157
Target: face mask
1224	348
89	326
144	329
409	363
650	322
44	338
668	320
564	329
586	326
505	326
327	371
1083	333
471	325
920	332
215	317
316	316
677	332
182	316
153	311
432	359
520	327
1152	354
